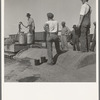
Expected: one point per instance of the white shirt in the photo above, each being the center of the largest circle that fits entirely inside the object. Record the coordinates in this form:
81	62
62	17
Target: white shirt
53	26
84	9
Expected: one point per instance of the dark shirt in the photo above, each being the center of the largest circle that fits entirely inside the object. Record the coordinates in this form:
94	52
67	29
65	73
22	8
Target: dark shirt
76	31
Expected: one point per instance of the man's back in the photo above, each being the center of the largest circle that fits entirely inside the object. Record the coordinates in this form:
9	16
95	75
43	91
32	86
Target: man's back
53	26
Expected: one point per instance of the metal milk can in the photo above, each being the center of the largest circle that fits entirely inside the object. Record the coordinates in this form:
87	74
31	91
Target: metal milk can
29	38
22	38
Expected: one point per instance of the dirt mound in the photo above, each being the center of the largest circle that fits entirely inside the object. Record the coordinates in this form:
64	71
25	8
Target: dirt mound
71	66
67	60
75	59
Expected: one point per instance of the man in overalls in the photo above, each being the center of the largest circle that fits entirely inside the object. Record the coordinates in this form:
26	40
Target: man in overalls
84	25
31	25
52	36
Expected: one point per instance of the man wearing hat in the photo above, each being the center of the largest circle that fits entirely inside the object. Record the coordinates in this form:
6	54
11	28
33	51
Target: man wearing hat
75	38
52	36
84	25
31	25
94	38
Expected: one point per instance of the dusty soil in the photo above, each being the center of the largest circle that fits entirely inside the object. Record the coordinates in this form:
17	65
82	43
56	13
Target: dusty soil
72	66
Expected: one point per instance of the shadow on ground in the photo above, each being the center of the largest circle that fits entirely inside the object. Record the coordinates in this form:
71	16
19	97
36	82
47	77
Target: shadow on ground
29	79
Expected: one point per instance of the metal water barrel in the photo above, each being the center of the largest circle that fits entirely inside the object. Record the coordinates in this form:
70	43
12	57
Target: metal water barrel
22	38
29	38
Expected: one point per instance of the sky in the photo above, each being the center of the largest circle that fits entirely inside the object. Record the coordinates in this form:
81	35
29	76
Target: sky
63	10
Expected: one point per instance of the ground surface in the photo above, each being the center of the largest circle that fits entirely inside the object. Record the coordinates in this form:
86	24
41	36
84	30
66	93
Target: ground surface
71	66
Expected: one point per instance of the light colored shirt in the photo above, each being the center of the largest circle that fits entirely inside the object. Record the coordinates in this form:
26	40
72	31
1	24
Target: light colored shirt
84	9
31	24
65	31
53	26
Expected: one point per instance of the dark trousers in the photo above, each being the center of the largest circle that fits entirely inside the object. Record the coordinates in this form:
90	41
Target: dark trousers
50	39
84	39
75	41
76	44
93	45
33	32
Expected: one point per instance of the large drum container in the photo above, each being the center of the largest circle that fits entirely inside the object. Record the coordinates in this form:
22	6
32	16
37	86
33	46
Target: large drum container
22	38
29	38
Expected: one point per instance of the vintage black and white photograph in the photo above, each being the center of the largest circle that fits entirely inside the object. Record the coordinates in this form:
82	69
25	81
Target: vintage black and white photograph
50	40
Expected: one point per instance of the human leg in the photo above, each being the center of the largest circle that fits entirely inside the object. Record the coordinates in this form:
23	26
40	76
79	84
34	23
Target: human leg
77	44
57	45
83	39
64	43
33	36
49	50
74	48
88	38
93	45
73	40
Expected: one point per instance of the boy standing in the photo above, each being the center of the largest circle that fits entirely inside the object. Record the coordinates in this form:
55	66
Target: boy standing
52	37
75	38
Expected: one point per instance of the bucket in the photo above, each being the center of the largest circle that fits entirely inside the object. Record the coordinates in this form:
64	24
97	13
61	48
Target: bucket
36	62
22	38
29	38
43	59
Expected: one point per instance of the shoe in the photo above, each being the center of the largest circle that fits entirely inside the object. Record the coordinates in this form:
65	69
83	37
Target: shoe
36	62
71	43
43	59
65	51
60	52
50	63
92	50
